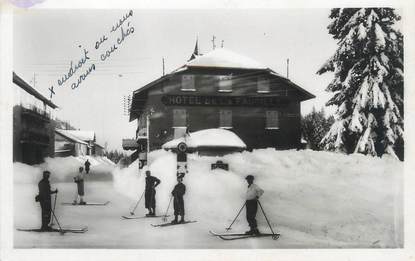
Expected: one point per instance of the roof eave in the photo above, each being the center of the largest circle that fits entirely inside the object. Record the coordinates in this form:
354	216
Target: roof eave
306	93
24	85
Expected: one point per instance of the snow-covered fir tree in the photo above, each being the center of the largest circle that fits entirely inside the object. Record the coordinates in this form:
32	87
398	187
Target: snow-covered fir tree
314	127
368	82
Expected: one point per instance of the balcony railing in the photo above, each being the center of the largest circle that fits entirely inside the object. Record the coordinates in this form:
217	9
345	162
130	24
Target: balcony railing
36	113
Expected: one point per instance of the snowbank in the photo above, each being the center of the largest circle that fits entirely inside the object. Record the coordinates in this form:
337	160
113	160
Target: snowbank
352	201
208	138
62	169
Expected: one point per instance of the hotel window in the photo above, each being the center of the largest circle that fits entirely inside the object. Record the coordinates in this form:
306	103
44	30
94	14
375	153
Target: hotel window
225	119
263	85
225	83
188	83
179	118
272	120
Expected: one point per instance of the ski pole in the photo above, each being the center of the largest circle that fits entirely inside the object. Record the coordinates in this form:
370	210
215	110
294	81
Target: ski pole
54	206
167	210
228	228
274	236
132	212
57	221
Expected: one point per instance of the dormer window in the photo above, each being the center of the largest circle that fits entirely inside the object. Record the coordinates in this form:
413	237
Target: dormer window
225	83
263	85
188	83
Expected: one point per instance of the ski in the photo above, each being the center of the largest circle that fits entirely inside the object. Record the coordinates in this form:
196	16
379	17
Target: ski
173	224
226	234
64	230
234	236
274	236
141	217
87	204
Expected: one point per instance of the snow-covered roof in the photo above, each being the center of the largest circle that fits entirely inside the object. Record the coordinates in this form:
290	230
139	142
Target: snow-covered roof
218	58
97	145
68	135
208	138
223	58
83	135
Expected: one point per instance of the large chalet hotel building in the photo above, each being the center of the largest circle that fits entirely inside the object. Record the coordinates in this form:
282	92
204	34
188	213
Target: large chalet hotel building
220	89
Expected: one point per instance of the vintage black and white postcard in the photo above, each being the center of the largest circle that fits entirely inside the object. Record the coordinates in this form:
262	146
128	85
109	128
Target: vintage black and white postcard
212	129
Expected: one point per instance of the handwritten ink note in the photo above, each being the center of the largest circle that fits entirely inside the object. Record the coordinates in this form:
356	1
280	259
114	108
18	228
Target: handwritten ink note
82	67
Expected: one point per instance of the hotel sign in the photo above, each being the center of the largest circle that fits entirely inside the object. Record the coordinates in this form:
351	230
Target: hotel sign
240	101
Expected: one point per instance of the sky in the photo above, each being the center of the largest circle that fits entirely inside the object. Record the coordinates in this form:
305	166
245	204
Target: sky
46	41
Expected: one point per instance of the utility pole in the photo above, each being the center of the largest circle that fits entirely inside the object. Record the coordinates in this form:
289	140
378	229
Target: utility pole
148	132
163	66
213	42
288	68
34	80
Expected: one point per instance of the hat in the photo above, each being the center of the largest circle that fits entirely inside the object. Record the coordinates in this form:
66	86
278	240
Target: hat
249	177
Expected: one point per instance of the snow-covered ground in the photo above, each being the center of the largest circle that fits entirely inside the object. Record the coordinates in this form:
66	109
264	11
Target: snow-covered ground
314	199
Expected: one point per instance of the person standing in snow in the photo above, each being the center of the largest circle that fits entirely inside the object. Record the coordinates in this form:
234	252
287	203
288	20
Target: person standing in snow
45	201
178	202
252	195
79	180
87	164
150	193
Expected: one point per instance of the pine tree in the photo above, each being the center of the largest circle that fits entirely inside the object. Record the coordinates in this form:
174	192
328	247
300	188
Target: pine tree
368	82
314	127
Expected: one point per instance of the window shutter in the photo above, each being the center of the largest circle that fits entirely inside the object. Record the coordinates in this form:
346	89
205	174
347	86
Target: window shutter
272	120
225	119
179	118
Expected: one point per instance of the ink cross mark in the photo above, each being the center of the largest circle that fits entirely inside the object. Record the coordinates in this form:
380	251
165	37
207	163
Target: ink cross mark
52	92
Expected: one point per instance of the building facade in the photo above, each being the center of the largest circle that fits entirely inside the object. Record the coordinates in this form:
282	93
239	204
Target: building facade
220	89
33	124
88	137
68	145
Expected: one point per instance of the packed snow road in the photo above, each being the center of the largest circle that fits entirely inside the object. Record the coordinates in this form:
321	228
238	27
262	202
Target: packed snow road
106	228
313	199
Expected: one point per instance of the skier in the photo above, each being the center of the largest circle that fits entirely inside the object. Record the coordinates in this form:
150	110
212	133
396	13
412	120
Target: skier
45	200
87	164
150	193
252	194
79	180
178	202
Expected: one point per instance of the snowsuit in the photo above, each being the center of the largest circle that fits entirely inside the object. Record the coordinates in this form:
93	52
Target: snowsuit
252	195
45	201
178	203
87	164
150	192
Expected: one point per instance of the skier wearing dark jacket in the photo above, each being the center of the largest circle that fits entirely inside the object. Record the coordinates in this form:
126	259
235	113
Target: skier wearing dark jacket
150	193
178	203
44	199
87	164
